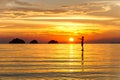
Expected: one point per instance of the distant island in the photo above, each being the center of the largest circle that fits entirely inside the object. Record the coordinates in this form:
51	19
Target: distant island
20	41
53	42
34	42
17	41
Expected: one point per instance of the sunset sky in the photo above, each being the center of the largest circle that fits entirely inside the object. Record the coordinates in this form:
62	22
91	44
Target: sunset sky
43	20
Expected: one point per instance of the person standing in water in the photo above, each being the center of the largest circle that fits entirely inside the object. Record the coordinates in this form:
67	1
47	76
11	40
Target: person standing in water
82	43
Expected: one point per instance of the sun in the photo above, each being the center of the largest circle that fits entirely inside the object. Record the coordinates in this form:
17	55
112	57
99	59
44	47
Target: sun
71	39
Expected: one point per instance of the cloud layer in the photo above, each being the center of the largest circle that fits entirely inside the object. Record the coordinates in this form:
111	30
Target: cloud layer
62	18
25	8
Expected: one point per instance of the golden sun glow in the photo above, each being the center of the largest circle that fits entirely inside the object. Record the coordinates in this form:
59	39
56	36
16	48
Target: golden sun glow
71	39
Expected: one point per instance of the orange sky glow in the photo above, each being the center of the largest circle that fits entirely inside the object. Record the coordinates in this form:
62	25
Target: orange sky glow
98	21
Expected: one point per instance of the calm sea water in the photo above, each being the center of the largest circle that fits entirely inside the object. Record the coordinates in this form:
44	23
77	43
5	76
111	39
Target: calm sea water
59	62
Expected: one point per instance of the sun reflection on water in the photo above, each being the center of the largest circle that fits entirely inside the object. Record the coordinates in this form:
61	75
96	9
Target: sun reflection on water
73	58
60	62
71	52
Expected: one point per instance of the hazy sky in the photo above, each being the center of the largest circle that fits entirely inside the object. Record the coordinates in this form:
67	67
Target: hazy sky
97	20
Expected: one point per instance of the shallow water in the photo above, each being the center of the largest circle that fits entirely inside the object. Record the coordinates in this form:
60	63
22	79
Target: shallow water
59	62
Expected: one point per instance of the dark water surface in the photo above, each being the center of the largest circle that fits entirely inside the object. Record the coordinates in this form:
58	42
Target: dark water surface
59	62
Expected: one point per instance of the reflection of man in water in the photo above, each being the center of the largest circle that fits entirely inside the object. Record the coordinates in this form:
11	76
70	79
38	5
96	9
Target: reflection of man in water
82	43
82	61
82	55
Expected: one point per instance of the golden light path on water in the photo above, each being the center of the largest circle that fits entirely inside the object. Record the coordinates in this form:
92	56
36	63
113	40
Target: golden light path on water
61	61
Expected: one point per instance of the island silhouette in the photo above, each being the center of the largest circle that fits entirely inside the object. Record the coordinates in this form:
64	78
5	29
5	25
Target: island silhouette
17	41
53	42
34	42
20	41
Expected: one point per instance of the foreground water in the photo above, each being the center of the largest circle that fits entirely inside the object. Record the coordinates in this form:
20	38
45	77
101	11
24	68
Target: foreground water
59	62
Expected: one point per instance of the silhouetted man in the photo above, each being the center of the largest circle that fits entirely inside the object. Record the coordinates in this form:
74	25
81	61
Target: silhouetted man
82	43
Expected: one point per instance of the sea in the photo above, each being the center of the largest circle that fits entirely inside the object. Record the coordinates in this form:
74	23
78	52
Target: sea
59	62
